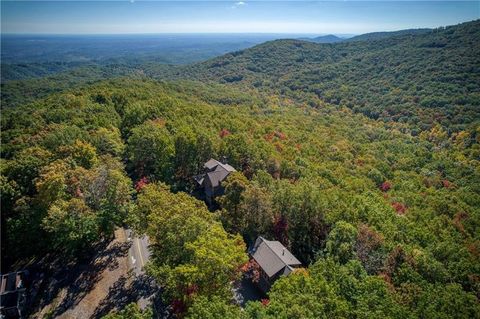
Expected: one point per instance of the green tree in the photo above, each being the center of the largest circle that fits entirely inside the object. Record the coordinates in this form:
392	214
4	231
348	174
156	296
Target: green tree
217	255
10	193
25	167
108	190
232	215
52	183
151	150
374	300
72	224
192	254
447	301
300	295
341	241
82	153
186	152
192	150
131	311
257	210
213	308
108	141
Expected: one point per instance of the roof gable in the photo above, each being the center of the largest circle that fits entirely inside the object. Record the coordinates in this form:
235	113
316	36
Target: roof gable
213	164
217	176
272	257
216	172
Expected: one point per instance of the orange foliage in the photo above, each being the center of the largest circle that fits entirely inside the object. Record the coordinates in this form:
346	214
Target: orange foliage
474	249
159	121
457	221
252	269
268	137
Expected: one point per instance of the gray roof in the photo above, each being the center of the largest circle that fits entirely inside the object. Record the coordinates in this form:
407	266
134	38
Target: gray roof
217	172
213	164
217	176
210	164
273	257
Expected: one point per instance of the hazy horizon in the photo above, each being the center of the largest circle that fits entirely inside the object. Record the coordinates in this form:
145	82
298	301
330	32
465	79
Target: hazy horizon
239	34
229	17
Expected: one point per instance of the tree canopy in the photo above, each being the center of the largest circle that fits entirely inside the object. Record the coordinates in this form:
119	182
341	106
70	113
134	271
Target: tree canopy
361	157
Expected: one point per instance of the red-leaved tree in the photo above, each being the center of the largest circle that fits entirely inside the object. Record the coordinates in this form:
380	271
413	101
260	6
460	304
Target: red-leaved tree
224	132
385	187
399	208
141	183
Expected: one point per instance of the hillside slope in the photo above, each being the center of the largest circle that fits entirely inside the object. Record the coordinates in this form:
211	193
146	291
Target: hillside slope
421	79
384	35
393	217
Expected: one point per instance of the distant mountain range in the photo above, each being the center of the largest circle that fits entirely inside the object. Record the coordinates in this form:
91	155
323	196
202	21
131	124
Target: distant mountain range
331	38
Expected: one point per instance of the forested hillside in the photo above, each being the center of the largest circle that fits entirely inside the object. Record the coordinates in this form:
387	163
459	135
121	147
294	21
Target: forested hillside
363	158
420	77
394	218
417	79
21	92
384	35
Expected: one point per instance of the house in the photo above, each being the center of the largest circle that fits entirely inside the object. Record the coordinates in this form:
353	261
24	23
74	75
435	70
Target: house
211	181
274	260
13	295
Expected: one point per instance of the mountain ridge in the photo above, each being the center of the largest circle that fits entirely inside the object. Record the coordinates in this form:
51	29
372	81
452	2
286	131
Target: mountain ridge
386	34
329	38
400	78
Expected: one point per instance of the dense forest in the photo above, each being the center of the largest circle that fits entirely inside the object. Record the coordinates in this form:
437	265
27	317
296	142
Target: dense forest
419	79
361	157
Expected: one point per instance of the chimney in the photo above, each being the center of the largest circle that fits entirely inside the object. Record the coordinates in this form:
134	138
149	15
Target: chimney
223	160
283	252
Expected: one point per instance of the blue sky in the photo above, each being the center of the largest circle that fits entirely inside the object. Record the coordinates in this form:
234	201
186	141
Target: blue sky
315	17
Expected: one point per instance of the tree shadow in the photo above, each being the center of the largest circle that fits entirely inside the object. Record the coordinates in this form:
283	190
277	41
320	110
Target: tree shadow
78	277
245	290
126	291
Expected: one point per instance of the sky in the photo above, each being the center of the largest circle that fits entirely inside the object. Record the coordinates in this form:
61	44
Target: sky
296	17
